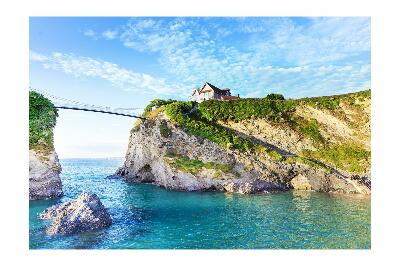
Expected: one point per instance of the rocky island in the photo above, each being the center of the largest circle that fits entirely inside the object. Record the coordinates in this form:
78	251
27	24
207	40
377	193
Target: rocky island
84	214
44	166
254	145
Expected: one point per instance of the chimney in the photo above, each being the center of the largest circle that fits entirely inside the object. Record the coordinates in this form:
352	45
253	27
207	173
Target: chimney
238	94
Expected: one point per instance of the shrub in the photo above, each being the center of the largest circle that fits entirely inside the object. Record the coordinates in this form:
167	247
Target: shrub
246	108
324	102
333	102
275	97
42	119
311	130
156	102
165	131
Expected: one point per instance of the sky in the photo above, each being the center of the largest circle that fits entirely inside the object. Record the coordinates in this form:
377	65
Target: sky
126	62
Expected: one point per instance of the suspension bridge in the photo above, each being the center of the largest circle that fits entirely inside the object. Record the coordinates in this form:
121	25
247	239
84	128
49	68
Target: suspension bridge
63	103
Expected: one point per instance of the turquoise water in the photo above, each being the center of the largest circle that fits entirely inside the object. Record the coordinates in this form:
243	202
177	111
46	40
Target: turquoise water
149	217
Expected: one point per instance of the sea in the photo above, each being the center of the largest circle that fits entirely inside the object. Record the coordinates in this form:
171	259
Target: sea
146	216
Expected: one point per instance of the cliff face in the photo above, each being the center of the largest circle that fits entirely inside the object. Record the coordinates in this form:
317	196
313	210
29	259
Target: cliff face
163	153
44	167
44	176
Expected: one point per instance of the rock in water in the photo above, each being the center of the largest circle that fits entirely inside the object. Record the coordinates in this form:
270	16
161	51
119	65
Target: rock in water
86	213
44	176
252	187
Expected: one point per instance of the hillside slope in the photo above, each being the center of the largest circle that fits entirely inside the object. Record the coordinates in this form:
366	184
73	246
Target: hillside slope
254	145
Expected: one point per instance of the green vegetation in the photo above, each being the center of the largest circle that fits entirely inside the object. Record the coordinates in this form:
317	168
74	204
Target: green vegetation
165	131
247	108
311	130
275	97
157	103
185	164
348	156
307	161
42	119
195	125
151	114
333	102
274	155
325	102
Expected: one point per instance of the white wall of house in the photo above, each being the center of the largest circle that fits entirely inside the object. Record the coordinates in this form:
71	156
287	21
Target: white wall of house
208	94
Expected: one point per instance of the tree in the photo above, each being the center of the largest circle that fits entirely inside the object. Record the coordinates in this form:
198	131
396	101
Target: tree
275	96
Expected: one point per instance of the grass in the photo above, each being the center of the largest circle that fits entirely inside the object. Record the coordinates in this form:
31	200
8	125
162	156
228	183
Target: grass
333	102
307	161
311	130
349	157
274	155
193	166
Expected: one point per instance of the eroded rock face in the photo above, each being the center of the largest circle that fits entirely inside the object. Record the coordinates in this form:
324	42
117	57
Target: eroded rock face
250	173
44	176
252	186
301	182
86	213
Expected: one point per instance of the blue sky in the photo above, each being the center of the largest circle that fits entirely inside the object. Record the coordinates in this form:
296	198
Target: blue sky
126	62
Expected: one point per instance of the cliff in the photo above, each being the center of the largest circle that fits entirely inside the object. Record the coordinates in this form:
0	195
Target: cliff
254	145
44	166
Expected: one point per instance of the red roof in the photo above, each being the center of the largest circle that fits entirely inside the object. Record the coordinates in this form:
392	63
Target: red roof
212	87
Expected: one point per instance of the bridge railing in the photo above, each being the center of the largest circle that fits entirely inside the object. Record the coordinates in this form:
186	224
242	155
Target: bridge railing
63	103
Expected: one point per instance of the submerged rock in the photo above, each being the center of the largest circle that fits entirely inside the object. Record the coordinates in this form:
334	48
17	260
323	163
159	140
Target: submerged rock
86	213
44	176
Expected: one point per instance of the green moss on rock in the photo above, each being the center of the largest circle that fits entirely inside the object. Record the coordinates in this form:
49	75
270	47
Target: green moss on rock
193	166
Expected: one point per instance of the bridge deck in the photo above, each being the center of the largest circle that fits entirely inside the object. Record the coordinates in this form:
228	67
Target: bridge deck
97	111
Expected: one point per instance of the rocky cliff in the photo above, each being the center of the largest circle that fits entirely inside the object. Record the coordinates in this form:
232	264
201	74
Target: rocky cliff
44	166
44	176
181	148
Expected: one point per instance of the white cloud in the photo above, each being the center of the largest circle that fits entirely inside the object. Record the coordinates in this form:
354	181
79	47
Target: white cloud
89	33
79	66
192	49
323	40
110	34
271	54
37	57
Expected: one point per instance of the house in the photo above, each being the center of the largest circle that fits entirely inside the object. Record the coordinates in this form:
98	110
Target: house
211	92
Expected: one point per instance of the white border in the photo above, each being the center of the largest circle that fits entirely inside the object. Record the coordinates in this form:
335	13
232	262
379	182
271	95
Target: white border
14	160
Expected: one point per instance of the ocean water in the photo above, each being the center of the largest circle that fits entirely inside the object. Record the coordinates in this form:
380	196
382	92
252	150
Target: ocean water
148	217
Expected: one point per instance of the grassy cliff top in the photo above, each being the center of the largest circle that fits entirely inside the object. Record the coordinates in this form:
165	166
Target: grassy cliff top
42	119
273	107
322	121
